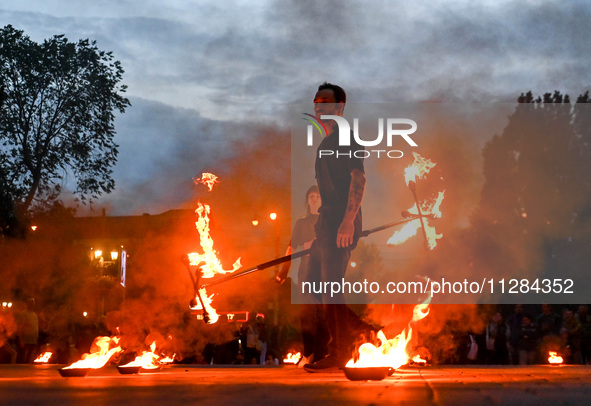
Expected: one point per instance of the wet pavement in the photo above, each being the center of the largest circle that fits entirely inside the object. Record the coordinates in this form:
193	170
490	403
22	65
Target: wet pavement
288	385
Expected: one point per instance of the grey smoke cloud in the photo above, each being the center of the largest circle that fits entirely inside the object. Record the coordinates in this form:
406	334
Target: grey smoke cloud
197	74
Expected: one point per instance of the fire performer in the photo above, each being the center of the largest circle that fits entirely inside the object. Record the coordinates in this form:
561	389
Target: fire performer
312	320
341	181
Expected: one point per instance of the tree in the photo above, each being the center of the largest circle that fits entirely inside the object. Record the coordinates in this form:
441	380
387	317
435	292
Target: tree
58	106
533	216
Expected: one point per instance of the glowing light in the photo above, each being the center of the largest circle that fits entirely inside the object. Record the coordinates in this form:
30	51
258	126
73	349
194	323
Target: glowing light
292	358
273	216
114	255
147	360
554	358
85	314
208	179
98	254
255	223
429	209
102	350
390	352
418	169
353	264
34	228
418	360
43	358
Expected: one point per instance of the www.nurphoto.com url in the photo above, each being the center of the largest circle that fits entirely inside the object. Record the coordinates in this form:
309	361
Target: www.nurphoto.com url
443	286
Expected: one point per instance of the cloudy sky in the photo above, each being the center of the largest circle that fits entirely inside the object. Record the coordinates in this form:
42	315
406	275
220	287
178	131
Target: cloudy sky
197	70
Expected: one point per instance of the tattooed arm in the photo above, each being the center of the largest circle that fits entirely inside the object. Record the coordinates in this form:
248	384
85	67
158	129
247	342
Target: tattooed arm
356	189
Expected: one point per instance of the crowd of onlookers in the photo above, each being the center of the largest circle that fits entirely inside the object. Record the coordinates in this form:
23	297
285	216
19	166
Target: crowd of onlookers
514	335
19	335
529	333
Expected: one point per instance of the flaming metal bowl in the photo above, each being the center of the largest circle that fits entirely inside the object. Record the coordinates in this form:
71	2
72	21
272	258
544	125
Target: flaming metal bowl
73	372
368	374
128	370
150	370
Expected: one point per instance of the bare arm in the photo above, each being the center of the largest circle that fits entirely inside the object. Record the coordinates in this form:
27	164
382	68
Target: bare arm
356	190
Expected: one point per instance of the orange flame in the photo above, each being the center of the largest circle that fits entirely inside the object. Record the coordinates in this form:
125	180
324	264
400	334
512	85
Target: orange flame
208	179
43	358
292	358
418	360
102	350
207	302
429	210
148	359
167	359
418	169
391	352
554	358
208	262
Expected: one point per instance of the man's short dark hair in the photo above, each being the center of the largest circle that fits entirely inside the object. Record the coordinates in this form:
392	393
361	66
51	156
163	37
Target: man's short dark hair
339	93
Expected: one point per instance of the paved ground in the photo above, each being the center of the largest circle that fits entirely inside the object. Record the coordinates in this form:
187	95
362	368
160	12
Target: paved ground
287	385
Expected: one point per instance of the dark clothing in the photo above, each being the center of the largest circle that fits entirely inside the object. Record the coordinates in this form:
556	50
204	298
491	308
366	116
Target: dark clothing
333	175
303	232
528	337
549	324
314	331
496	343
328	263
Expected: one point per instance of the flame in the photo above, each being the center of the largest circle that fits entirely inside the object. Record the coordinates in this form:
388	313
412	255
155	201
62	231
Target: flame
208	262
418	169
418	360
554	358
43	358
429	210
207	302
167	359
148	359
292	358
102	350
391	352
208	179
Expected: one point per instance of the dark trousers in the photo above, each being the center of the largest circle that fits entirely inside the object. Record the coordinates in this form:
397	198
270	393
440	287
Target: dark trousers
314	331
328	263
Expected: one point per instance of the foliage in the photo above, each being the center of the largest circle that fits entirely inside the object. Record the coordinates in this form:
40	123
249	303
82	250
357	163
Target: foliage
537	195
59	100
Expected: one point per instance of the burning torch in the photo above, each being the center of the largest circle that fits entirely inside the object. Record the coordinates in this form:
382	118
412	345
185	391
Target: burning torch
195	279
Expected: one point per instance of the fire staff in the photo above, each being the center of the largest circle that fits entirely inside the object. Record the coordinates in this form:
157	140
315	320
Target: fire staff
342	184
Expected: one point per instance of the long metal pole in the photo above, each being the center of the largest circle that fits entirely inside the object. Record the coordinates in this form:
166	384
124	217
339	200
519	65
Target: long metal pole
299	254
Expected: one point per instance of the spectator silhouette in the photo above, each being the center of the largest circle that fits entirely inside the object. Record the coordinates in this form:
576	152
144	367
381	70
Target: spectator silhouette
528	339
28	333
